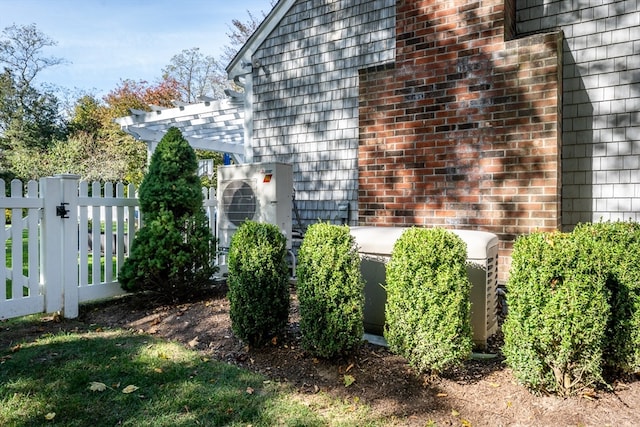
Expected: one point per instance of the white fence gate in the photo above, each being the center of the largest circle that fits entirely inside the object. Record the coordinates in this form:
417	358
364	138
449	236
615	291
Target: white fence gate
67	246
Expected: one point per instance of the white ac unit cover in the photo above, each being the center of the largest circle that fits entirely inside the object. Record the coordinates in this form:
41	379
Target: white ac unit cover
375	245
261	192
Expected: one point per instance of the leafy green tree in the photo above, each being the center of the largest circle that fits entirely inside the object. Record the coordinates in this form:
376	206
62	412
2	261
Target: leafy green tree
173	254
29	116
34	125
96	148
87	116
117	103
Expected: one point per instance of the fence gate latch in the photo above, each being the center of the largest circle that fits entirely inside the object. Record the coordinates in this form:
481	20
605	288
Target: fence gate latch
61	211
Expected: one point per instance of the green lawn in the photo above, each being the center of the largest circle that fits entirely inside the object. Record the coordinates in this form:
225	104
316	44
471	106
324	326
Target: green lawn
9	257
115	377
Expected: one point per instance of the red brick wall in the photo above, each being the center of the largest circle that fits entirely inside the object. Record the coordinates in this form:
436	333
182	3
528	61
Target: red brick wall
463	130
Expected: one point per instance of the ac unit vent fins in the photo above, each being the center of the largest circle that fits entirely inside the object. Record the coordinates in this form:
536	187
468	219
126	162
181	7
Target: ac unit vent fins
239	201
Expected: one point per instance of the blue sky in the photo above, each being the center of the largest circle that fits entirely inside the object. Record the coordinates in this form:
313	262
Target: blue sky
109	40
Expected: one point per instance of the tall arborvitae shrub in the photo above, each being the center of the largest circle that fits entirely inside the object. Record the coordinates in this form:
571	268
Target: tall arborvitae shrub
330	291
555	332
428	309
258	282
173	253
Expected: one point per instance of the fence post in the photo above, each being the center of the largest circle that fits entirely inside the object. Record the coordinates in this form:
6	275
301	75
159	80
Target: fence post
59	244
210	207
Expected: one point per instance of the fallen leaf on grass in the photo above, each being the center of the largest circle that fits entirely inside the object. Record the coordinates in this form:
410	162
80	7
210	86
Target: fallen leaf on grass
465	423
455	413
348	380
129	389
250	390
194	342
97	386
50	416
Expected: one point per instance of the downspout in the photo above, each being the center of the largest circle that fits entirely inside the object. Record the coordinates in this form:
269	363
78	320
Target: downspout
246	82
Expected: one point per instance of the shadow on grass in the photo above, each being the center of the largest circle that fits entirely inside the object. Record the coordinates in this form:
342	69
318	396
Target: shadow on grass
171	385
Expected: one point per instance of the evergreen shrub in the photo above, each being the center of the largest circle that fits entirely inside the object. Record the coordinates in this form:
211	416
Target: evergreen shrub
574	307
173	253
428	308
330	291
558	314
616	253
258	282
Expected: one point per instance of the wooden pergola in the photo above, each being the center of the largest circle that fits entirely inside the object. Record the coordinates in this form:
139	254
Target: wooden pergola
213	125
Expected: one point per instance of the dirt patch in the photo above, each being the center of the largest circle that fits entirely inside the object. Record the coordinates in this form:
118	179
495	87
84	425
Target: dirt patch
482	393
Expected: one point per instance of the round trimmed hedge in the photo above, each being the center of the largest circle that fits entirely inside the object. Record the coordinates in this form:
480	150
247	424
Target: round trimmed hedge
574	307
428	308
330	291
258	282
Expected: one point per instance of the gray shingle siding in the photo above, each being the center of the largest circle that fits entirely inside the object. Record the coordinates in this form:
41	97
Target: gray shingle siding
306	96
601	105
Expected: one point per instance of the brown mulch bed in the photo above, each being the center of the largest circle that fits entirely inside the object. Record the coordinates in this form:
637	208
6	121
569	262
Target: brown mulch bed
482	393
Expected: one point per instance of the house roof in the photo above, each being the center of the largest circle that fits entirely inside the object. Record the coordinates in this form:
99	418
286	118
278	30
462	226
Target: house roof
243	58
214	125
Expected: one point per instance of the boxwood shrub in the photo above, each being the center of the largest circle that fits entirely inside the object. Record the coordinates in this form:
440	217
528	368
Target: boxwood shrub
428	309
616	255
330	291
258	282
556	326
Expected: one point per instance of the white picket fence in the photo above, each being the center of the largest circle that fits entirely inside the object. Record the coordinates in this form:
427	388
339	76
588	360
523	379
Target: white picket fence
65	234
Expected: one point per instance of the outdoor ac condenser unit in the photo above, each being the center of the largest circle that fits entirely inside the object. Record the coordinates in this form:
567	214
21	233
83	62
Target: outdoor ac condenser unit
375	245
261	192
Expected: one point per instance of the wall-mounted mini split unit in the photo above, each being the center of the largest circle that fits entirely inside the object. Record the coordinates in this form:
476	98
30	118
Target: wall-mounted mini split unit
261	192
